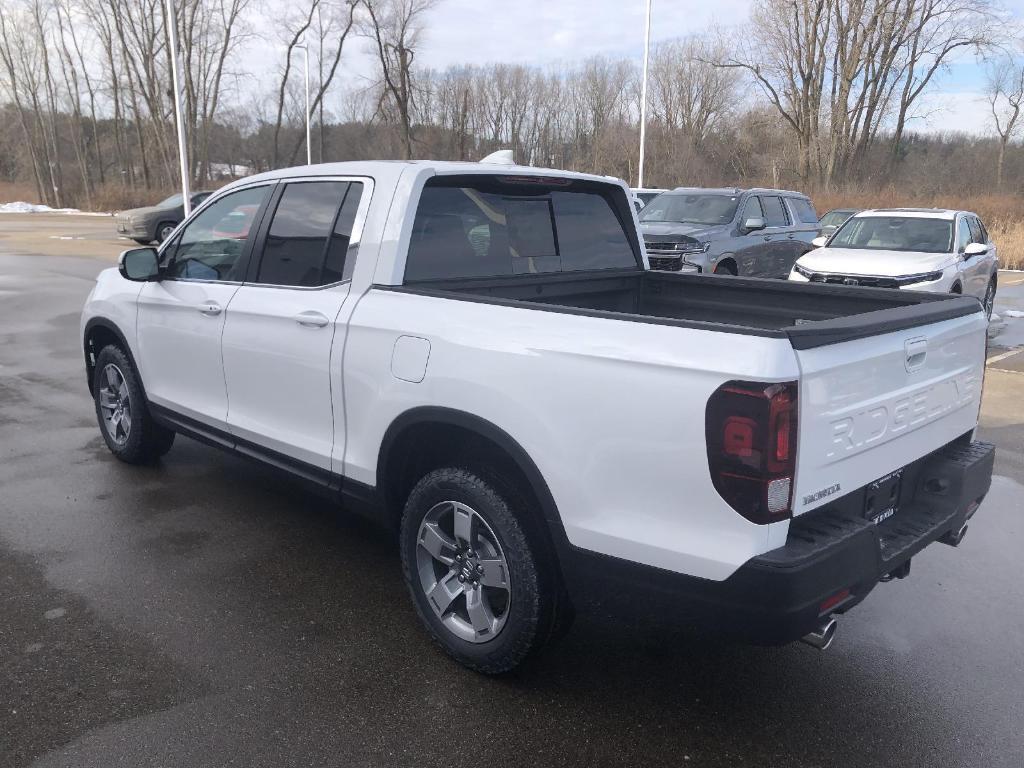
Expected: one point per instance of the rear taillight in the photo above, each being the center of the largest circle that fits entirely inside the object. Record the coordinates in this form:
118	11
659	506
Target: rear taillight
750	430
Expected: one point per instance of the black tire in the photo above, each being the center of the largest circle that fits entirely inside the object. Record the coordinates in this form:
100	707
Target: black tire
163	231
989	302
533	605
143	440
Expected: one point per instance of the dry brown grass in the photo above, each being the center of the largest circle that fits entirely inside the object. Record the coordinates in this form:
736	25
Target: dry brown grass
107	198
1003	214
18	192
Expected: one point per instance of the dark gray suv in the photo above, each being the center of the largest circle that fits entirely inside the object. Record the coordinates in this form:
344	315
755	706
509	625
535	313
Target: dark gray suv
755	232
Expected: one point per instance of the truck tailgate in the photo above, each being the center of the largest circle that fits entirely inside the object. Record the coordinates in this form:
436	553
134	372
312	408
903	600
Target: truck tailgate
870	406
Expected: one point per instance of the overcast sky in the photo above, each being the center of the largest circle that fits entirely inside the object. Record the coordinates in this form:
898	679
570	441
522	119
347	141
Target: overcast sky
548	31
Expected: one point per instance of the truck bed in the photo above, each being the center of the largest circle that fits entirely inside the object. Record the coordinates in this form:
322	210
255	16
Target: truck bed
810	315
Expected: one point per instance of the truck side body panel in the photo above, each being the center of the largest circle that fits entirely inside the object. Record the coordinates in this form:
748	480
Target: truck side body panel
611	412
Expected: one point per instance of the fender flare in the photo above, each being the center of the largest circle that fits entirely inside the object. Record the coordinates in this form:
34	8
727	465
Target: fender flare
490	432
108	325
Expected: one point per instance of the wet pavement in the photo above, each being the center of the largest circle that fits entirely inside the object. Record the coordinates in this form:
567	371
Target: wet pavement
203	612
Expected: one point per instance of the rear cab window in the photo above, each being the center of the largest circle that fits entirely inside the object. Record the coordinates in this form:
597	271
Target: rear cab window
498	226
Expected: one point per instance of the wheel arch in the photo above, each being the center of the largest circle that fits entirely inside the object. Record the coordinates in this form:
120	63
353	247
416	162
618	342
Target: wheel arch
456	435
98	333
728	258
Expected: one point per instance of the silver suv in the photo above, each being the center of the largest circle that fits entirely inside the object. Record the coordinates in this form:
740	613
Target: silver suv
754	232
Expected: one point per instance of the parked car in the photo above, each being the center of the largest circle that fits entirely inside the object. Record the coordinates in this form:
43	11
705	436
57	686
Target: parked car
753	232
429	343
155	223
921	249
832	220
646	194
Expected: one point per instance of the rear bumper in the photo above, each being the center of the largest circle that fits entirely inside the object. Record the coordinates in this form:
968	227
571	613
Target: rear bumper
832	559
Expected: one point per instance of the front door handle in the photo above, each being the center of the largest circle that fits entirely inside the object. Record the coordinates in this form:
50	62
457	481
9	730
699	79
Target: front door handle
767	238
210	308
312	319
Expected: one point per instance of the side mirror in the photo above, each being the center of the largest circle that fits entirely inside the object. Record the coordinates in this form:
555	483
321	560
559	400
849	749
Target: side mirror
975	249
819	242
753	224
140	265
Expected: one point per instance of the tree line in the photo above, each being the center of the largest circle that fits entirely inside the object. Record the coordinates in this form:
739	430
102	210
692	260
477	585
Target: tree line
811	94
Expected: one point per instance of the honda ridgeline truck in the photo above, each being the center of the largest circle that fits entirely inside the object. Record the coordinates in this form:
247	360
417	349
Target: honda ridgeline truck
479	357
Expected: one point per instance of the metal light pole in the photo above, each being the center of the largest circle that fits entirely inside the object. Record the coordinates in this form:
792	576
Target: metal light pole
309	145
172	36
643	95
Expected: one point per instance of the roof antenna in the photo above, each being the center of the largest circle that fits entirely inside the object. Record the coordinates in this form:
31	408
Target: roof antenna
501	157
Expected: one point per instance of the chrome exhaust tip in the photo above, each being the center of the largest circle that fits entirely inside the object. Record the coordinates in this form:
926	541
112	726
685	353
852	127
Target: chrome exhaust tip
953	538
822	637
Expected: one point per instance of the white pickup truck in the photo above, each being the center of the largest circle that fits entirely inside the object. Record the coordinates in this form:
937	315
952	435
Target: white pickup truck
478	356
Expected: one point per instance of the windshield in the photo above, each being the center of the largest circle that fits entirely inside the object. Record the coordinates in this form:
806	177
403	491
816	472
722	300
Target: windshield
691	209
835	218
895	233
170	202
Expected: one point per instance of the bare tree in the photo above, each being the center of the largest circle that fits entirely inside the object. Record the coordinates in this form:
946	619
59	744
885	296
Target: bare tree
1005	94
395	27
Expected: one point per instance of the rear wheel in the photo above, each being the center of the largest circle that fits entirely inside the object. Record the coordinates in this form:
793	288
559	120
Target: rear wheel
128	428
163	230
480	581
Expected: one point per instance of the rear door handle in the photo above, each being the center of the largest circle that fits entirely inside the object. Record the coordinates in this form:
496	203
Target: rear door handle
210	308
312	319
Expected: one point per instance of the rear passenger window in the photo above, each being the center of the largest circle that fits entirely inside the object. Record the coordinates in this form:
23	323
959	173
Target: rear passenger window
308	242
774	212
984	232
491	227
804	210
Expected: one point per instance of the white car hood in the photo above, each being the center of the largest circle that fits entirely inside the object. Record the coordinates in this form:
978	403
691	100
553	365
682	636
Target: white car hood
861	261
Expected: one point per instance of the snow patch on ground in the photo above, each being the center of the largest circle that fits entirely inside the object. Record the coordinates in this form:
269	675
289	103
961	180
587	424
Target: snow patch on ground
20	207
1013	313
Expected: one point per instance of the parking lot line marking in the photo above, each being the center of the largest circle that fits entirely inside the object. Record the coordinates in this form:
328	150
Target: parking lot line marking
1003	356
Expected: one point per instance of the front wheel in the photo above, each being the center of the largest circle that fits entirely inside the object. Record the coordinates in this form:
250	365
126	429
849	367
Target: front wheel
479	580
128	428
989	301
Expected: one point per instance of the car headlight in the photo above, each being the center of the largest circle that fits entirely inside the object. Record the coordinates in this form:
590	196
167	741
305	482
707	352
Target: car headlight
803	271
695	250
924	277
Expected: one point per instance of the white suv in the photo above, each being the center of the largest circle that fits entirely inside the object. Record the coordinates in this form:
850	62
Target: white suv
923	249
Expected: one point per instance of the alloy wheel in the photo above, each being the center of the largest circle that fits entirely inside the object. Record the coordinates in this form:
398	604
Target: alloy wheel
115	405
463	571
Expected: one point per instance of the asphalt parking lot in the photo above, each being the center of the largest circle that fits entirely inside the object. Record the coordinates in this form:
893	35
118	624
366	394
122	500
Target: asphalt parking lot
203	612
